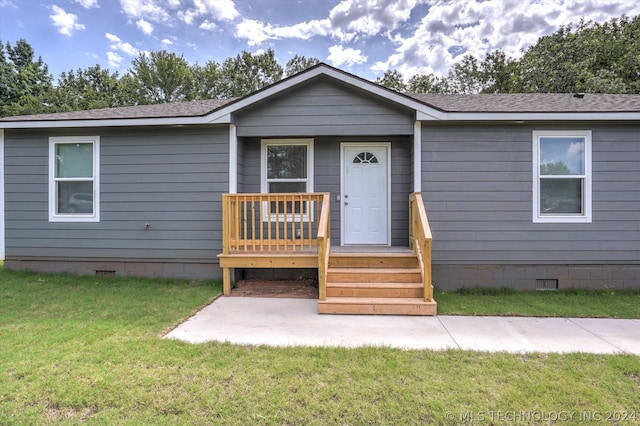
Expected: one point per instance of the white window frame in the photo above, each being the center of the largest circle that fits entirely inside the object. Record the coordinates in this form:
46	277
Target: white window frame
586	215
264	182
53	196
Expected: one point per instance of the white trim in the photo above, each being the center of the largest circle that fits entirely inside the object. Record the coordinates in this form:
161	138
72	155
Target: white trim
417	156
264	187
586	216
95	216
233	159
2	179
364	145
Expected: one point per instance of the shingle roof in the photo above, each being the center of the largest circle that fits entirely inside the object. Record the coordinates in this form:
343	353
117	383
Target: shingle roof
530	102
448	103
170	110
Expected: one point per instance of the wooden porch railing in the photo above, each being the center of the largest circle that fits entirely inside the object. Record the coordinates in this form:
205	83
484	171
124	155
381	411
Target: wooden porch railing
420	240
283	225
324	246
271	223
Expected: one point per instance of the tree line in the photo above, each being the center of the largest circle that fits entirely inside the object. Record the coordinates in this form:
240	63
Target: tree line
590	57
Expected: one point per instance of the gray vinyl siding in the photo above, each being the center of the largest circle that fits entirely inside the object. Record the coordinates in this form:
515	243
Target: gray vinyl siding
324	108
171	179
477	187
327	177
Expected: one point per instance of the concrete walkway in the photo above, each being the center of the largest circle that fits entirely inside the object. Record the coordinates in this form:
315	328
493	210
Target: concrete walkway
295	322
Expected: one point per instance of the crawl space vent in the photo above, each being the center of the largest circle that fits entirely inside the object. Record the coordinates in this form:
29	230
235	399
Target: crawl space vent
106	273
546	284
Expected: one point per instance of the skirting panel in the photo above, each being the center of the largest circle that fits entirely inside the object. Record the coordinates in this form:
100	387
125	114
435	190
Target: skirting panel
524	277
195	271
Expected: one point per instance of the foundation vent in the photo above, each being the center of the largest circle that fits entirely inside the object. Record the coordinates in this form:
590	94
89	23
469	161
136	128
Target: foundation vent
546	284
106	273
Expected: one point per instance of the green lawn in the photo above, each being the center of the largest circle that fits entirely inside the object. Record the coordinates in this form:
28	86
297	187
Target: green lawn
76	350
603	303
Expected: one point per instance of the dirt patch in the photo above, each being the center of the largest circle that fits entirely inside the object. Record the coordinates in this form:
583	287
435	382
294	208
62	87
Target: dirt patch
295	289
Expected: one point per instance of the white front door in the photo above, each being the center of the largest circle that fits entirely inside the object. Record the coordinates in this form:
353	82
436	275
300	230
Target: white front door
365	193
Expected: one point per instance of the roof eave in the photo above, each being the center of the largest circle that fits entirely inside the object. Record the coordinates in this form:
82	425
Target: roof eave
116	122
532	116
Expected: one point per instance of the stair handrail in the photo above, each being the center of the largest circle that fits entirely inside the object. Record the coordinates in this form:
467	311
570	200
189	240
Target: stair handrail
324	245
420	240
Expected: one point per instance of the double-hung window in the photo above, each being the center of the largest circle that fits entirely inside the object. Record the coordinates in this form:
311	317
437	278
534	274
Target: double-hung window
562	176
287	167
74	175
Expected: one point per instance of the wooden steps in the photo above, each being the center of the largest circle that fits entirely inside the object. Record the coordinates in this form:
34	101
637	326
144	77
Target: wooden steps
375	283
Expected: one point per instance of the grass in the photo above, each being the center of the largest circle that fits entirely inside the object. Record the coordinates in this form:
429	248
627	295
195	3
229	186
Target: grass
88	350
604	303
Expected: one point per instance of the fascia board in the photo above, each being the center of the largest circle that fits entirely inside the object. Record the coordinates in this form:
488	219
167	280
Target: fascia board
124	122
541	116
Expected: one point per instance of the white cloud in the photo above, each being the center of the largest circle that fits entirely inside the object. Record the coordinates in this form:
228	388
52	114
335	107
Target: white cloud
346	21
153	10
166	42
338	56
456	28
224	10
87	4
67	23
256	32
220	10
144	26
209	26
119	45
114	59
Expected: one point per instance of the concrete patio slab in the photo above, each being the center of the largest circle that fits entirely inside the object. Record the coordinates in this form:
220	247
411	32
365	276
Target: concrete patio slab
295	322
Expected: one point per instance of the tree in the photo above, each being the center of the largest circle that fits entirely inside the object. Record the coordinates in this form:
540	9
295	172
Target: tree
592	58
207	80
248	72
392	79
91	88
298	64
25	81
161	77
498	73
465	76
428	83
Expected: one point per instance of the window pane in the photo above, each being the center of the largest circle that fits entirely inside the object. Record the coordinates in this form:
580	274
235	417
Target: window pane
287	187
75	197
74	160
558	196
286	161
562	156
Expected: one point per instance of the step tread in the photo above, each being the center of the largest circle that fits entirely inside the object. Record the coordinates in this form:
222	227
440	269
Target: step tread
374	301
373	254
366	269
375	285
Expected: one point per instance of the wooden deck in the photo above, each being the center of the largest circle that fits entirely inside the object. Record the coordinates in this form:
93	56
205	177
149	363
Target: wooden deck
351	280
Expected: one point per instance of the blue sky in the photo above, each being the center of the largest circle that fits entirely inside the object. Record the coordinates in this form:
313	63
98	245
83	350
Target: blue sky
365	37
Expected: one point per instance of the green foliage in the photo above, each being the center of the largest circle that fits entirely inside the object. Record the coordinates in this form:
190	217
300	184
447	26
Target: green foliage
87	89
162	77
298	64
25	82
392	79
248	72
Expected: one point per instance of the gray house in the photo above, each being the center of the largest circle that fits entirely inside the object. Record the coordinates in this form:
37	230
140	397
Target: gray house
382	193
